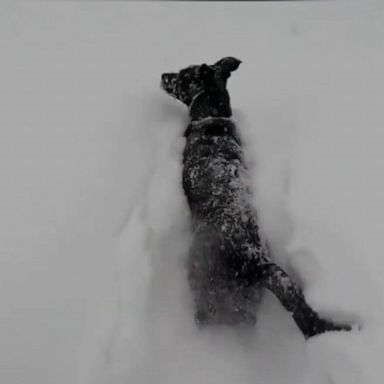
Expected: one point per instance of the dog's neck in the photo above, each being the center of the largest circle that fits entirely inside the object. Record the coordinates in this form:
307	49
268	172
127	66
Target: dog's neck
213	126
207	105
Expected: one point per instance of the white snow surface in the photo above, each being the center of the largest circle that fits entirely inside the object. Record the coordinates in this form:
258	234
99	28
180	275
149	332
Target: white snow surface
94	227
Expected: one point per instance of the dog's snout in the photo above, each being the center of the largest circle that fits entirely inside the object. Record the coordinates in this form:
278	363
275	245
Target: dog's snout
168	82
166	77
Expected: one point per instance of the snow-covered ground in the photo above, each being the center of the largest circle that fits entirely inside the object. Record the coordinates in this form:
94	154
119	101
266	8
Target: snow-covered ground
93	221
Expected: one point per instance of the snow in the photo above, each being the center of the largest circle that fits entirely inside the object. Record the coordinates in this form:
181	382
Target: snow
94	226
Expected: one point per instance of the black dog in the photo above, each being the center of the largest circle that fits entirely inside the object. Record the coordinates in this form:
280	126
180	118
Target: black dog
228	264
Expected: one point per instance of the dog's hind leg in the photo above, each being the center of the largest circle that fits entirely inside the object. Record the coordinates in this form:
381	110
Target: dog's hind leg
203	271
291	297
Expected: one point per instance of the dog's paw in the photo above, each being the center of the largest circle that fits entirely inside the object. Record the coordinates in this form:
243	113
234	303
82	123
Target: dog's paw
319	326
311	324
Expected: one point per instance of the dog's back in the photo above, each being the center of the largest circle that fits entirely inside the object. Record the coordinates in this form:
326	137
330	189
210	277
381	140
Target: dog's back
226	248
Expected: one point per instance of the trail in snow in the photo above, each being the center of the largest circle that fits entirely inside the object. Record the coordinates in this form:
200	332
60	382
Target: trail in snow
154	339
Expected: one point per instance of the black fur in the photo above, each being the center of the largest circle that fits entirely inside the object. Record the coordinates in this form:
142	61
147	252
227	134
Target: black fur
229	264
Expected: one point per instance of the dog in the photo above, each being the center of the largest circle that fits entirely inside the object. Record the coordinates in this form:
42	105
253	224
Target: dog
229	264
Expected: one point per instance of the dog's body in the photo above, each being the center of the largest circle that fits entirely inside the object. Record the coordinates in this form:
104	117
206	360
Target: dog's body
227	245
228	263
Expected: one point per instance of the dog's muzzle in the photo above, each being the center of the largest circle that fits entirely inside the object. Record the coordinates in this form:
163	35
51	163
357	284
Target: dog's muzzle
168	81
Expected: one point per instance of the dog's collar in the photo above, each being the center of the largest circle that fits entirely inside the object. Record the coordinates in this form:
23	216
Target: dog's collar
213	126
194	98
210	119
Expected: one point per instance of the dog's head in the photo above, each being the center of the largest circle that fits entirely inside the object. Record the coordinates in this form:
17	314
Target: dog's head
189	82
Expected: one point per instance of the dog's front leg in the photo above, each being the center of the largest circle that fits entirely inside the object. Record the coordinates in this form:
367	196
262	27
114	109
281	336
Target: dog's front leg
291	297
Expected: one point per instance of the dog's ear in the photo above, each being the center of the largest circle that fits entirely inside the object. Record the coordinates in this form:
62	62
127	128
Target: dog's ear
227	65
